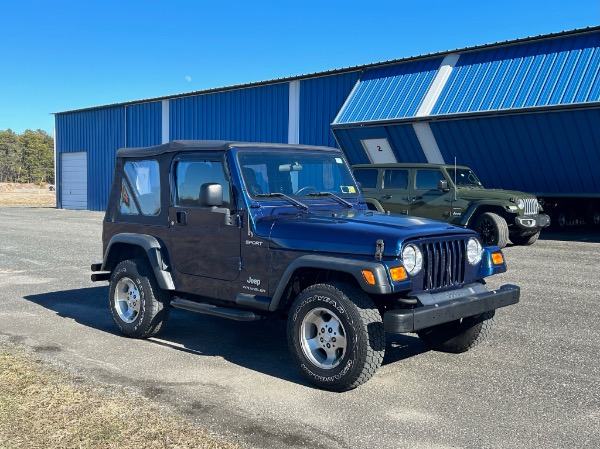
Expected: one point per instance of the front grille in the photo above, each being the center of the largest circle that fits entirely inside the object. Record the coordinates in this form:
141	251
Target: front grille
532	207
443	264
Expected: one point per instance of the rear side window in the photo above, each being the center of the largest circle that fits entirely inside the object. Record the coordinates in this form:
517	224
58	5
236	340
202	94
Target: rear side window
367	177
395	179
140	188
428	179
191	174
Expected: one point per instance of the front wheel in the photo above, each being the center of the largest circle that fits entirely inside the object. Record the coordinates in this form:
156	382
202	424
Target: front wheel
458	336
138	305
336	336
493	229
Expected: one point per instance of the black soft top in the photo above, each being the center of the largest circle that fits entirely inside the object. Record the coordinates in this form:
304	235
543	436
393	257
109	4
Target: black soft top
206	145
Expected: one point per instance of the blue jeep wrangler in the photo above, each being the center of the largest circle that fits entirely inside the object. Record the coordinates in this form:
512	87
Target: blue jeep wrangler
251	231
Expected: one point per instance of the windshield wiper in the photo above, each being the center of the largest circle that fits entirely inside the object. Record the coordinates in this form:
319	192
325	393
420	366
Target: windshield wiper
332	195
284	196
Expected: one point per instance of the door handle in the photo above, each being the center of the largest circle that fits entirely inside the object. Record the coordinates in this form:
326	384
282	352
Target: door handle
386	197
181	217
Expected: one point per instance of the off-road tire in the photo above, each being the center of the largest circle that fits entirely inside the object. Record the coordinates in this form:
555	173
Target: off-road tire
525	240
323	312
458	336
593	218
492	229
138	305
558	221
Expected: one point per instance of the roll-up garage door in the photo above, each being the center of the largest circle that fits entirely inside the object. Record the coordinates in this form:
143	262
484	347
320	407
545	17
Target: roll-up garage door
73	186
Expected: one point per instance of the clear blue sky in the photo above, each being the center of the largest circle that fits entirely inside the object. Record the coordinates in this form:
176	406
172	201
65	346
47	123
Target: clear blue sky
59	55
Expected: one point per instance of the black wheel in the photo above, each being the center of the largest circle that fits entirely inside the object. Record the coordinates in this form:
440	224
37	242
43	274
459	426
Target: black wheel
593	218
558	221
525	240
335	334
493	229
458	336
138	305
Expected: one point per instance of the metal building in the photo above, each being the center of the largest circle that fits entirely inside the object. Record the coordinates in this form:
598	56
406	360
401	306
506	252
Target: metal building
523	108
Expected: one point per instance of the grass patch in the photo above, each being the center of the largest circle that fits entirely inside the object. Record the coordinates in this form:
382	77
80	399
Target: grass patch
41	407
26	195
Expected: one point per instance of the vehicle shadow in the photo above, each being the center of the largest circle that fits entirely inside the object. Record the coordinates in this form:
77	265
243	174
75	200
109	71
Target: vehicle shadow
573	234
259	345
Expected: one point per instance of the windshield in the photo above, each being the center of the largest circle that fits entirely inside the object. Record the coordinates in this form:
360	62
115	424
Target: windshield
296	174
465	177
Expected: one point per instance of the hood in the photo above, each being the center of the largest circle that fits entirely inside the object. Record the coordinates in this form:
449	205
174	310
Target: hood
349	232
483	194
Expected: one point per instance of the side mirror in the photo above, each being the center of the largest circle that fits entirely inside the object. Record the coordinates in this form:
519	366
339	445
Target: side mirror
443	185
211	194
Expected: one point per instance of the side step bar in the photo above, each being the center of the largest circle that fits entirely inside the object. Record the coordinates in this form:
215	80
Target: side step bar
209	309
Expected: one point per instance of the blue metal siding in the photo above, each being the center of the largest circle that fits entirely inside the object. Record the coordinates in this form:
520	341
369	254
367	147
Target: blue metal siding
257	114
551	153
390	92
543	73
99	132
144	124
320	101
402	140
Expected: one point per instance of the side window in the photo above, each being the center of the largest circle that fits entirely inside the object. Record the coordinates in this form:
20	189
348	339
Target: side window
395	179
189	177
140	189
428	179
367	177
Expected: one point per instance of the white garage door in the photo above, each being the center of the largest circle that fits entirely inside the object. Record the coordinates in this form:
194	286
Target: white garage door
73	184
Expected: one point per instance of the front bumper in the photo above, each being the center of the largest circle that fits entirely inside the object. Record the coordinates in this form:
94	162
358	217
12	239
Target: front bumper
468	301
532	223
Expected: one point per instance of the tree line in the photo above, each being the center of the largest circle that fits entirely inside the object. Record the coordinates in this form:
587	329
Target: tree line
27	157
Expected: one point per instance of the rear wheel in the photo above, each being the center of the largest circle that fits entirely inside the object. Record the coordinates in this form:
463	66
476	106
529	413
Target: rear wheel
458	336
336	336
138	305
525	240
593	218
493	229
558	221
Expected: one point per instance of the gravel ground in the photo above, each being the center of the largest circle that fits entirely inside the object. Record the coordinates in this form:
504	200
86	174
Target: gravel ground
535	382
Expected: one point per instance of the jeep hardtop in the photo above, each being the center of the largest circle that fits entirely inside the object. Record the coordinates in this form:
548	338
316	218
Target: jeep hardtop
252	231
453	194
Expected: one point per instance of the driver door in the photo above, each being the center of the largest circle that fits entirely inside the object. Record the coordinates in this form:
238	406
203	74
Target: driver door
203	242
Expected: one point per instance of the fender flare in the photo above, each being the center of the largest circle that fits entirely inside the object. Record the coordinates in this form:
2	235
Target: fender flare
375	203
353	267
153	250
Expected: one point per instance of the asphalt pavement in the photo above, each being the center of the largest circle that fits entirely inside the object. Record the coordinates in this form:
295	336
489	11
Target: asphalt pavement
535	382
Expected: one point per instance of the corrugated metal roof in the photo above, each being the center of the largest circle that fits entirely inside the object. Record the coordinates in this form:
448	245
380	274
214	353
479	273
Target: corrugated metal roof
389	92
347	69
542	73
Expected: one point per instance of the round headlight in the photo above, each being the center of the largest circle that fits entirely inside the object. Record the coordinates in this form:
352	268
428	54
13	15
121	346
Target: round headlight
474	251
521	204
412	259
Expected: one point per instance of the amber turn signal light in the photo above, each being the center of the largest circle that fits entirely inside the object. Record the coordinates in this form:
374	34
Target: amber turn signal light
398	274
369	276
497	258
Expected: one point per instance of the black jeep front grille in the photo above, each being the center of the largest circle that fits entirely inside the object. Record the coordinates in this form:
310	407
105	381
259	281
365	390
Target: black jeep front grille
443	264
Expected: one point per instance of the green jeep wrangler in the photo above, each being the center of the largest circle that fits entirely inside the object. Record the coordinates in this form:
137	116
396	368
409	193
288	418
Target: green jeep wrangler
453	194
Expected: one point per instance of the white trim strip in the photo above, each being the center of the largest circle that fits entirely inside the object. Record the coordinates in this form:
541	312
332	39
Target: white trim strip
428	143
165	128
440	80
294	112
